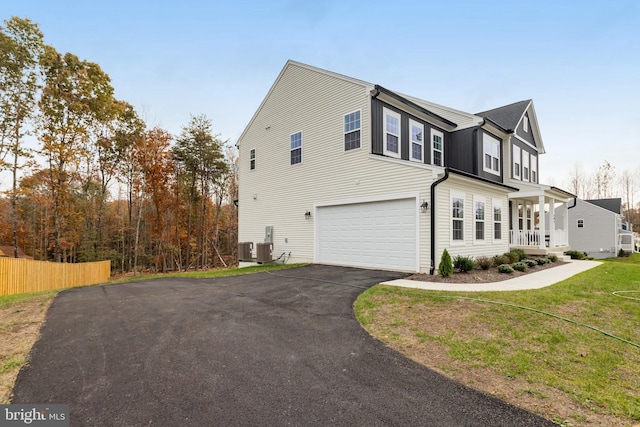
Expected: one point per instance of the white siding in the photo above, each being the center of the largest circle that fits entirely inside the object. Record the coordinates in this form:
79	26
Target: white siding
599	235
278	194
469	188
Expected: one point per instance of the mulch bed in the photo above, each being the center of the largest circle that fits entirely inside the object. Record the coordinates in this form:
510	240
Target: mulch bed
481	276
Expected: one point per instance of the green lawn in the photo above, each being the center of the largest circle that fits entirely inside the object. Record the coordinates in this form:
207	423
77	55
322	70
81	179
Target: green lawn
599	373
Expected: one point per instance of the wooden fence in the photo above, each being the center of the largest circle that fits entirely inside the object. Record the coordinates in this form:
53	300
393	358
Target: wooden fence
19	276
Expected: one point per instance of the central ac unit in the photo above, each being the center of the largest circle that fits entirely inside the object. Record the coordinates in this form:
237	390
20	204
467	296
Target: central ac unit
264	252
244	251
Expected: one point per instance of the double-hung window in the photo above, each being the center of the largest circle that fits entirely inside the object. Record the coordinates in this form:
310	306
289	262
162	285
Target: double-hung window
437	147
525	123
417	140
491	149
457	217
352	130
296	148
252	159
391	133
525	166
516	161
581	223
497	220
534	169
479	212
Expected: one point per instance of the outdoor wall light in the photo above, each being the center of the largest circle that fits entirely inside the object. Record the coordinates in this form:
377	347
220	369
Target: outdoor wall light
307	215
424	206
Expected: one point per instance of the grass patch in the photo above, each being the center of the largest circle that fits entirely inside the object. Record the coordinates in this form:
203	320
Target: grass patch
589	378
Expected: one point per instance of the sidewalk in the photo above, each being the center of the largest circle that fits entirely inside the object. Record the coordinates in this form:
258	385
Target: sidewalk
536	280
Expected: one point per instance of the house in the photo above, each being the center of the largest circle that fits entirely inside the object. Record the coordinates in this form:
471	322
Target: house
336	170
598	228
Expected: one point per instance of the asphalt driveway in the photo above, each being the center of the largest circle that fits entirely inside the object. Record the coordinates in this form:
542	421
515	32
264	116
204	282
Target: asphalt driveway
240	351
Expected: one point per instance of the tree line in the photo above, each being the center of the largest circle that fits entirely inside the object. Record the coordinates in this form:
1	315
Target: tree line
99	184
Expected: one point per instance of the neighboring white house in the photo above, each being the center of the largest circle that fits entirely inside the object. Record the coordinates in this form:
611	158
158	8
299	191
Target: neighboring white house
598	228
336	170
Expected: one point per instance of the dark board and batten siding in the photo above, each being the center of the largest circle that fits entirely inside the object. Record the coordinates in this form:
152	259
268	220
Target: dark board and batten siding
527	136
461	151
377	130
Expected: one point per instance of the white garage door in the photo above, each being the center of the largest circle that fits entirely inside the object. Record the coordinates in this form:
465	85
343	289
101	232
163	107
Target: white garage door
377	234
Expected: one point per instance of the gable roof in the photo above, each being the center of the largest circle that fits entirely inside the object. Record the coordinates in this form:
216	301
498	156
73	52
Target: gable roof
507	116
613	205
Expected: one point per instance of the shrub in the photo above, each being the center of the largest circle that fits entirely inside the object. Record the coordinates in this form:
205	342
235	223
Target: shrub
576	254
484	262
498	260
622	253
520	266
512	256
521	254
542	261
463	263
446	267
505	268
552	257
530	262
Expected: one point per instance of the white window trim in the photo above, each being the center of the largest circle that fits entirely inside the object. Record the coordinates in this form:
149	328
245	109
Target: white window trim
413	123
497	204
534	168
517	160
252	151
457	195
479	199
487	141
525	123
344	133
291	149
578	222
525	166
386	112
433	150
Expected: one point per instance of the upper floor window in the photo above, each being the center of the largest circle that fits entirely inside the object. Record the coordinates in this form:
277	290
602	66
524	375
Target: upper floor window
491	149
534	169
252	158
516	161
352	130
525	123
296	148
437	147
417	140
479	218
457	217
391	133
580	223
525	166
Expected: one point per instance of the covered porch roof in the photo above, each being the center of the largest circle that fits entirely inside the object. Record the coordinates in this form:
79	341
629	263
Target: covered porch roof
533	194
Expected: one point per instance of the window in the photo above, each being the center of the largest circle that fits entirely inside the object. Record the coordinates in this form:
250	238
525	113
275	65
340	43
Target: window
479	217
516	161
417	138
525	166
391	133
352	131
520	216
437	148
529	210
252	158
581	223
491	147
525	123
534	168
457	217
296	148
497	220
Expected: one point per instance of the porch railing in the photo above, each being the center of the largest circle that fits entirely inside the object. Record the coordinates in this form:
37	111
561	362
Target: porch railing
524	238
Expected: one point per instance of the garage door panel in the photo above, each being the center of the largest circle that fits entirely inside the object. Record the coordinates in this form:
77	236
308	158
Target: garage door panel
377	234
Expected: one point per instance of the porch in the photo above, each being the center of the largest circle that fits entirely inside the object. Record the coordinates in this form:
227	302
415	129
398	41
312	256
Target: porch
539	221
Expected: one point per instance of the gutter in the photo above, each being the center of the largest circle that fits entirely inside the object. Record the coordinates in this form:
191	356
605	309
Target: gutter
433	220
575	202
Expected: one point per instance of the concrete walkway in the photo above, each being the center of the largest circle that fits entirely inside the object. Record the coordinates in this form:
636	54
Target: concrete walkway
536	280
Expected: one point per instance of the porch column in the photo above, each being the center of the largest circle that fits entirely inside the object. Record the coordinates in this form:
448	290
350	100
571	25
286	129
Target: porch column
514	223
541	224
552	223
565	223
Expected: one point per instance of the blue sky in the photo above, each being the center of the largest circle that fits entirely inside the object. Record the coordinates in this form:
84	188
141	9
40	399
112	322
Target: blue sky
578	61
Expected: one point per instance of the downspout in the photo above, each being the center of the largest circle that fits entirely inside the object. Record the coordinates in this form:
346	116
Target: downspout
433	220
575	202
